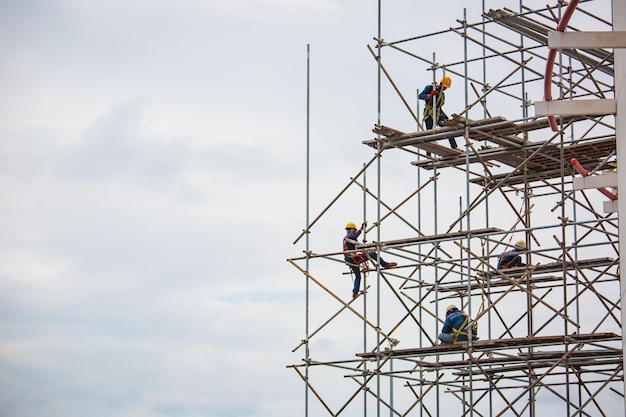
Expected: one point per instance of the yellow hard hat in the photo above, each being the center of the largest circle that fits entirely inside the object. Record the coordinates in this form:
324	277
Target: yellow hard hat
446	81
350	226
451	307
520	244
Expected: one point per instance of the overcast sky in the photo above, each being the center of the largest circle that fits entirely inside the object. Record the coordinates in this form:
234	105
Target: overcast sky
152	171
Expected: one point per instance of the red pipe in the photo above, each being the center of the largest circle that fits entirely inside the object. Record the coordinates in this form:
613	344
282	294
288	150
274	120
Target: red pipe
547	79
585	173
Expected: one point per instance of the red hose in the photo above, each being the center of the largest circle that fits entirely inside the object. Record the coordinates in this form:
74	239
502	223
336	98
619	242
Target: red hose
547	79
585	173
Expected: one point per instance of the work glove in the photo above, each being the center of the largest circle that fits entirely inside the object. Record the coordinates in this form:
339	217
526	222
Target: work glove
432	93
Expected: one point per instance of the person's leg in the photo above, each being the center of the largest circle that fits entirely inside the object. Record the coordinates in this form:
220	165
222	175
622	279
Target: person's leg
429	125
452	141
381	261
357	279
374	256
446	338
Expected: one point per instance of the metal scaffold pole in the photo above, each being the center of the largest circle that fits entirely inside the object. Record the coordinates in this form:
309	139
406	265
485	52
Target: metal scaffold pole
308	137
619	26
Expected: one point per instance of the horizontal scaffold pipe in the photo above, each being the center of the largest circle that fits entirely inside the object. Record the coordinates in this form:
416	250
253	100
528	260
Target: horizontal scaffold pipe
486	232
490	345
432	238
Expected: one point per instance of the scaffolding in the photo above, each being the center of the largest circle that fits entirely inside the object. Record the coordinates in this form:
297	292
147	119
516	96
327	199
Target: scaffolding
550	332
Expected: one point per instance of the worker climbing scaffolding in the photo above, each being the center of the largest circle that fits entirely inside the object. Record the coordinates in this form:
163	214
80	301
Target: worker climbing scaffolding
358	261
435	98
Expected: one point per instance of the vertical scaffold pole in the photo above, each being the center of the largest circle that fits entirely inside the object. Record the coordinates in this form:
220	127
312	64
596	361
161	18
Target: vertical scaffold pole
378	209
308	101
468	224
364	286
619	24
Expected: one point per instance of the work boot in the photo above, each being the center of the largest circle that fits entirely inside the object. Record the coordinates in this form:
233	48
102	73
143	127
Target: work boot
355	295
391	264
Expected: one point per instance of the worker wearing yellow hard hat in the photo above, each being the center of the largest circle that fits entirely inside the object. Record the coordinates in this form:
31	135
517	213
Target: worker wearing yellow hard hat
435	98
513	258
353	258
446	81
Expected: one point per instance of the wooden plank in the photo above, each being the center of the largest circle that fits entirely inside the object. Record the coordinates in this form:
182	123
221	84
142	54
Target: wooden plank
490	134
536	359
386	131
440	150
551	267
487	345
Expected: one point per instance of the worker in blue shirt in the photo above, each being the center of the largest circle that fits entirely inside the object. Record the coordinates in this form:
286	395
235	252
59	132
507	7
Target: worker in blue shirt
353	259
513	258
435	97
454	328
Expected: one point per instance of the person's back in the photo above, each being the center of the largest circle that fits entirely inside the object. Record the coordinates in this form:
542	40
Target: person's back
513	258
455	327
459	321
350	240
510	260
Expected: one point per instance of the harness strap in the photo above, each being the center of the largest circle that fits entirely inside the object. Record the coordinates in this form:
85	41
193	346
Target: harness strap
358	258
502	265
460	331
360	261
429	110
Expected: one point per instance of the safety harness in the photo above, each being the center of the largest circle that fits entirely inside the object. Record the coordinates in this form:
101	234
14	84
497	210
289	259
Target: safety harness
461	330
503	265
361	260
358	259
429	110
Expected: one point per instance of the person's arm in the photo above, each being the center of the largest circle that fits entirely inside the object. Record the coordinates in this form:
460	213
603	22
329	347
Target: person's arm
353	237
425	94
447	326
506	258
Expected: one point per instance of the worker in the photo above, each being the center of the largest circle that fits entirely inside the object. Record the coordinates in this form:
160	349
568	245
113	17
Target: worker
434	96
353	259
513	258
455	327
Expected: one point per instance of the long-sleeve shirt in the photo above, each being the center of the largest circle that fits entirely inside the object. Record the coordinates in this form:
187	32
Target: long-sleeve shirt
349	244
511	259
455	323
